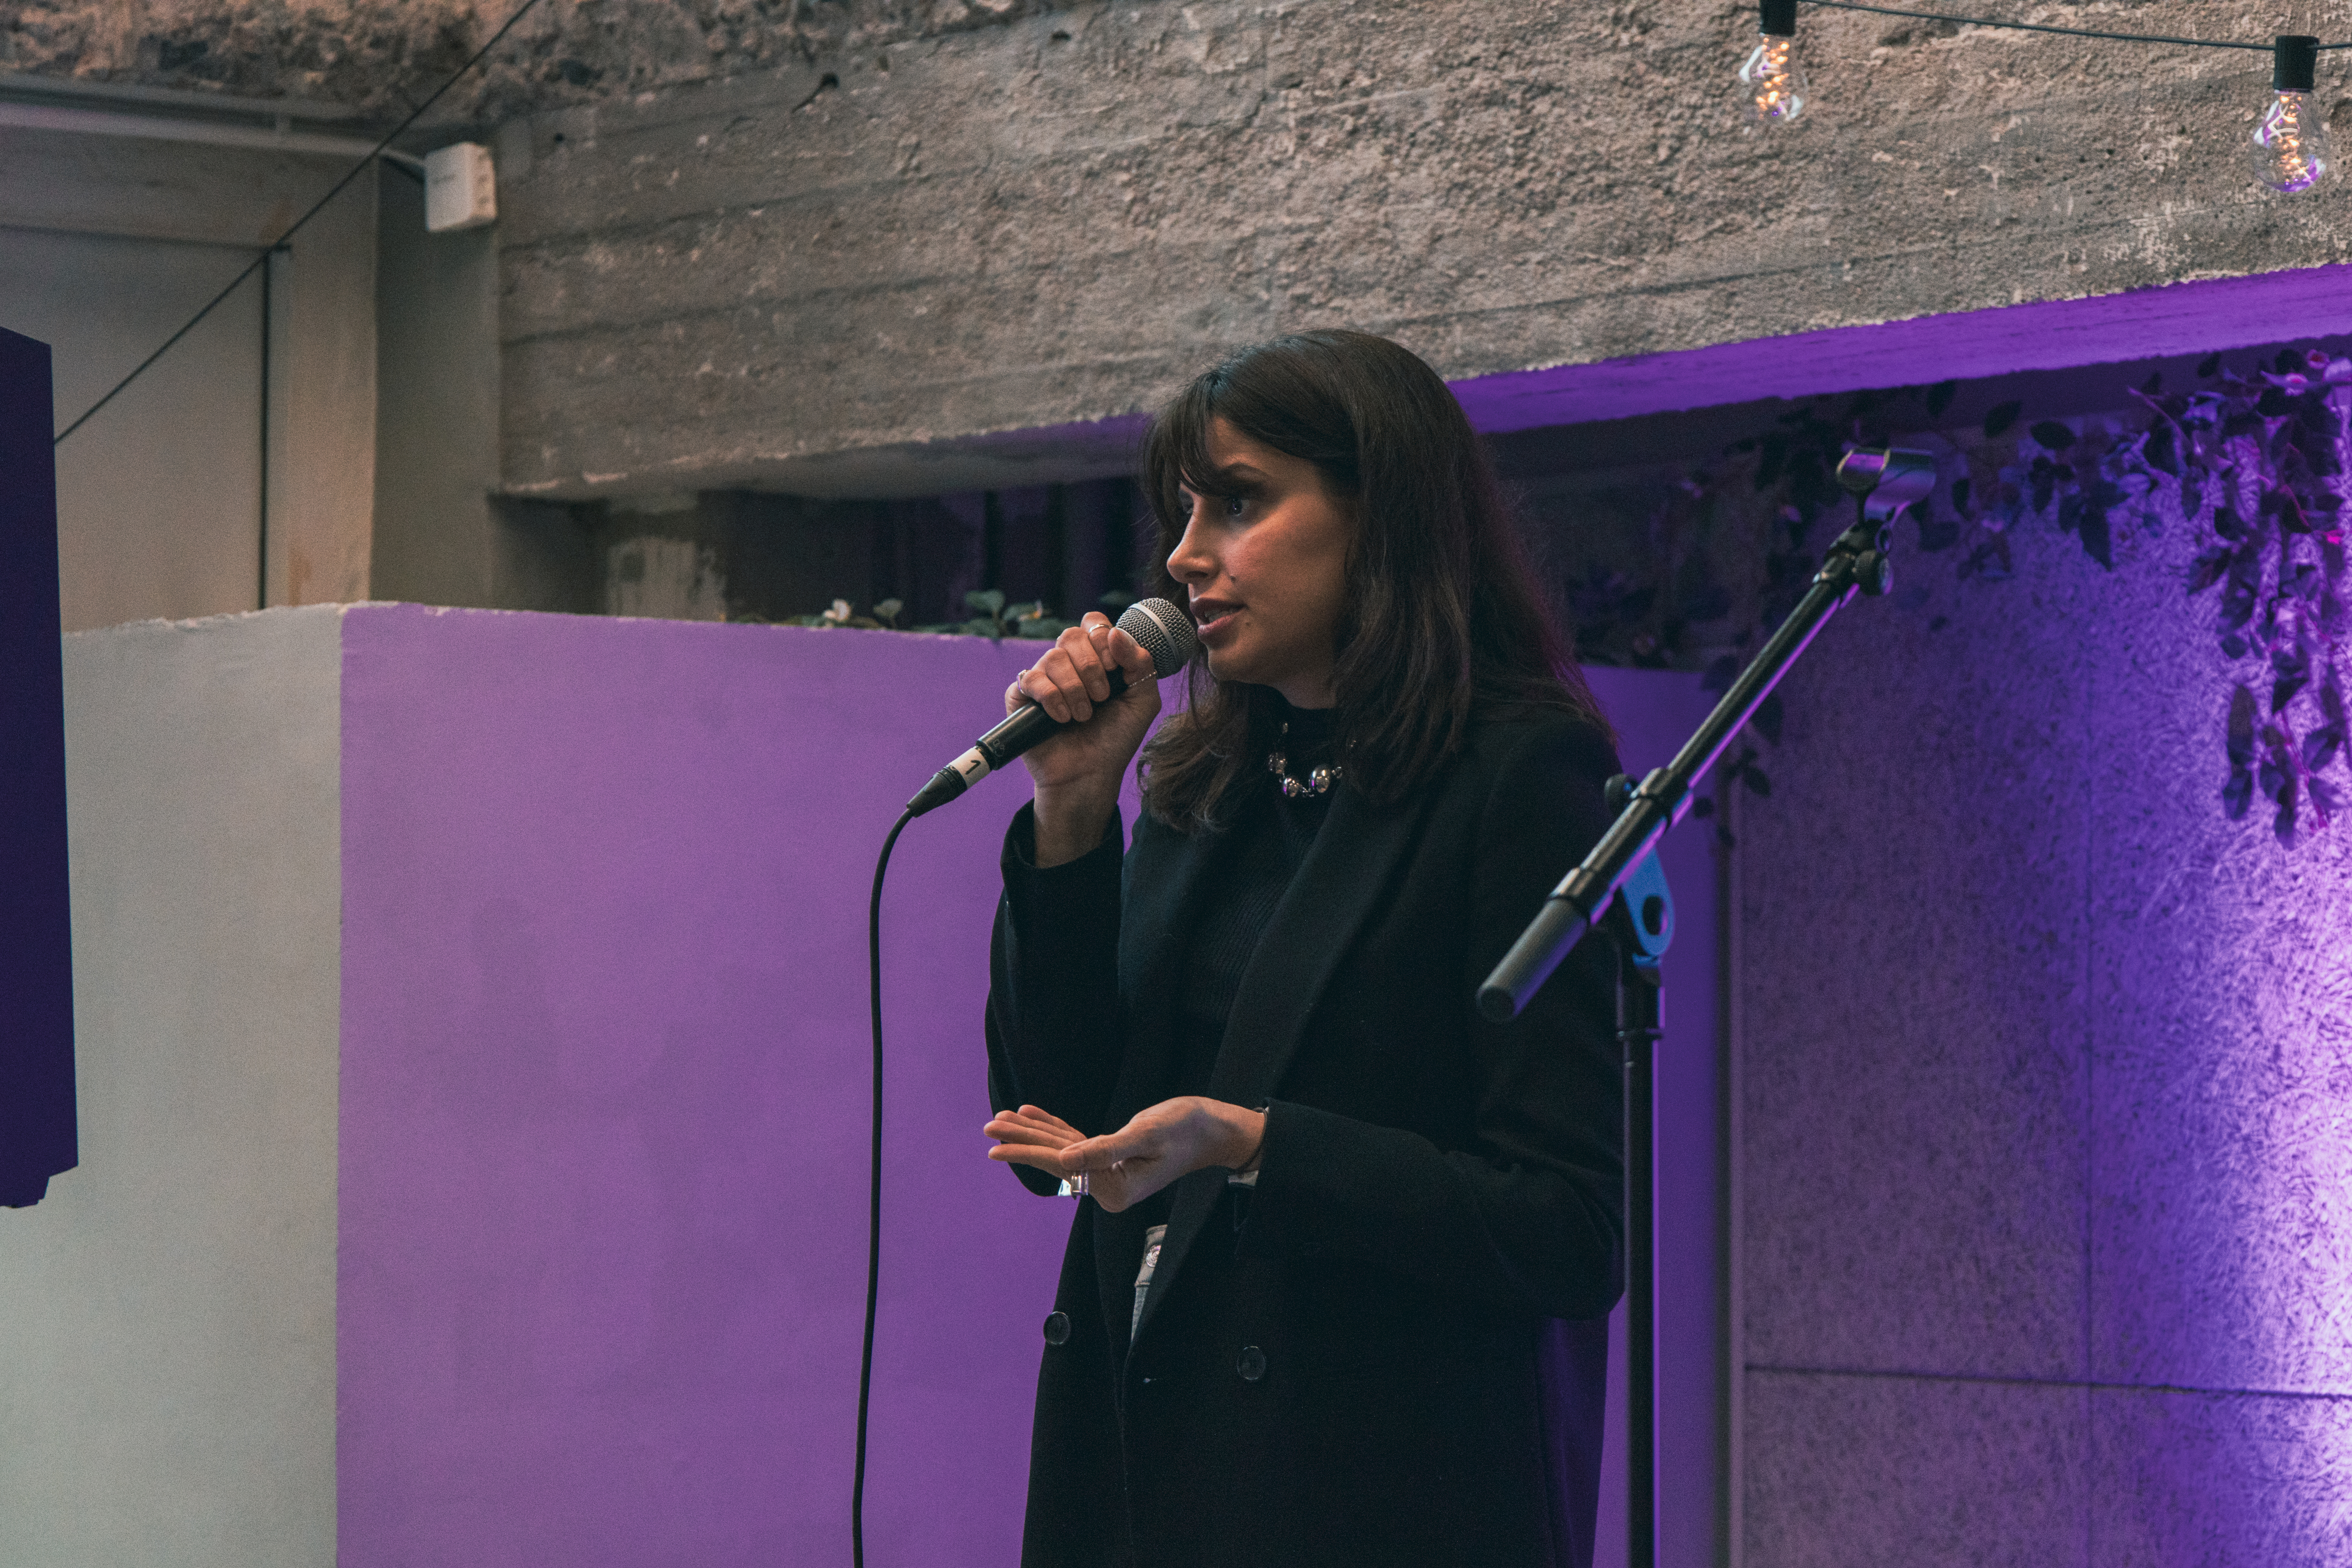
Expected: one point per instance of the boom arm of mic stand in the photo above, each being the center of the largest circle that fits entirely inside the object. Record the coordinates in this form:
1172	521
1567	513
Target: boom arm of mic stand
1885	481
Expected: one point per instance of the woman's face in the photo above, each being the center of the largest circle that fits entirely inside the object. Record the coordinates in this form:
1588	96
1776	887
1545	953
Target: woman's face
1266	565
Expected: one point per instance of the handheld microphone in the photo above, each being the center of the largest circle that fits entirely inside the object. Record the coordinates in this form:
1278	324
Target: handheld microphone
1161	629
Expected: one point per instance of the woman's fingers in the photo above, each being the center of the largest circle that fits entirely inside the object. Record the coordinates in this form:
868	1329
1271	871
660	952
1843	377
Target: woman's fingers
1075	673
1128	655
1048	1160
1038	1113
1013	1129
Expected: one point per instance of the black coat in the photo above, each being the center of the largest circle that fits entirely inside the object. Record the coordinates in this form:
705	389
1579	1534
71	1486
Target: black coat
1364	1360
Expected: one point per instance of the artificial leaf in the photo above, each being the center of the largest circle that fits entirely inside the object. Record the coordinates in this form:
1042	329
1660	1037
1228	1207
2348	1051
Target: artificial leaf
1960	491
2238	794
2209	364
2097	542
1940	397
2000	417
2052	435
1703	807
1991	560
1757	782
2320	747
2207	569
1720	674
2241	732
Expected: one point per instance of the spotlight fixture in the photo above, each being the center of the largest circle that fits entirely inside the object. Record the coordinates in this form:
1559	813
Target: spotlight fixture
2290	151
1771	81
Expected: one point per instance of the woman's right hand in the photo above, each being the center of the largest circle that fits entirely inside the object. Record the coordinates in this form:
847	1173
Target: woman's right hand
1077	772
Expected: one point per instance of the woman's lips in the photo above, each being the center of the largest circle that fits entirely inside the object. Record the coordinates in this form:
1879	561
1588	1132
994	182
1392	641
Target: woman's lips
1220	622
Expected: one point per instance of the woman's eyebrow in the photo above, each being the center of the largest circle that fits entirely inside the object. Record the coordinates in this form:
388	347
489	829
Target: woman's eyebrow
1232	480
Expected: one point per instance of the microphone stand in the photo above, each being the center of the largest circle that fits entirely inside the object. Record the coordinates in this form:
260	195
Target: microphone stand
1619	886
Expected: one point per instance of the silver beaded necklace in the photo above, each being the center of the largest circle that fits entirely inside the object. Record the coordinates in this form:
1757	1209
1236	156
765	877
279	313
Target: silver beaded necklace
1318	780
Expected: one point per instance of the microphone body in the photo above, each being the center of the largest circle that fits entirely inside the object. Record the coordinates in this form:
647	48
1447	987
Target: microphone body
1164	632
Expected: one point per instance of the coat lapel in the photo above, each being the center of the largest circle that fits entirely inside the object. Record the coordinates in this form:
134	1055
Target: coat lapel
1338	887
1165	874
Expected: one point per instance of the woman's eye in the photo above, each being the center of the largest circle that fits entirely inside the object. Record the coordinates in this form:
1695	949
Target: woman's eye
1236	505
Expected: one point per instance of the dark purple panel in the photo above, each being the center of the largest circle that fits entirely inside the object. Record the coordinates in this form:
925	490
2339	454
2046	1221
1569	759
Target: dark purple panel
36	1042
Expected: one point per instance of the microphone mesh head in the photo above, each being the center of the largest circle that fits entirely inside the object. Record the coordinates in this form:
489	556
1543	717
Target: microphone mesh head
1163	631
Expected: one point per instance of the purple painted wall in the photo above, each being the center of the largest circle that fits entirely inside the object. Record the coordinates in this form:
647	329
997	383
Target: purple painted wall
603	1043
603	1079
2047	1152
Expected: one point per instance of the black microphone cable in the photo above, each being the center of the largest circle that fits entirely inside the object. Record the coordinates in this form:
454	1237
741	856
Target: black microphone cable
873	1191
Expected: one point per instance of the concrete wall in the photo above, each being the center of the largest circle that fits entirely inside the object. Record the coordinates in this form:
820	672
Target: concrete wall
109	245
167	1313
811	277
843	249
2047	1233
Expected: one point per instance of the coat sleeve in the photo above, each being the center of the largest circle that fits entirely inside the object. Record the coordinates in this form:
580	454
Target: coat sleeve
1528	1214
1053	985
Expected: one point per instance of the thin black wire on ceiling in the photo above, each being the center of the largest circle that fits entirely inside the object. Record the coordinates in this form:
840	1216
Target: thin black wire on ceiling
317	207
2046	28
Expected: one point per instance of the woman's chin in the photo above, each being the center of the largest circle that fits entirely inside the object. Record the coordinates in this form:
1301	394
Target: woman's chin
1225	665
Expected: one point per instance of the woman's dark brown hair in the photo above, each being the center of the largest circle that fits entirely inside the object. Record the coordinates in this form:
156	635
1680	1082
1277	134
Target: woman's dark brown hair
1442	620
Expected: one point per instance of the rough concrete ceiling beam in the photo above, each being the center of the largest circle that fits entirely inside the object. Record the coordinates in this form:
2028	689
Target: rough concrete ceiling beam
859	274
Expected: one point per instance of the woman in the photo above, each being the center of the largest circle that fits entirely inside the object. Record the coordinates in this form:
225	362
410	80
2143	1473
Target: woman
1313	1308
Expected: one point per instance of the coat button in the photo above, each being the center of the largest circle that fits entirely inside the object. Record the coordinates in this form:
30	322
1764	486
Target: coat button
1058	1328
1250	1364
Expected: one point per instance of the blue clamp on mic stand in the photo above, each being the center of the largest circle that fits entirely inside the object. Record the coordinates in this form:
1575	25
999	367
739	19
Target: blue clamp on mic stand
1620	887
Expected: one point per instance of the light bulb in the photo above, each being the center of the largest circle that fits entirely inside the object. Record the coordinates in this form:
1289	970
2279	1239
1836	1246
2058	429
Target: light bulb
2290	149
1771	81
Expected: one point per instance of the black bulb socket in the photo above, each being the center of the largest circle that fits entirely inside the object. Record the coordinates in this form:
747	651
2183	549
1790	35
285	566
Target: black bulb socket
1778	19
2294	63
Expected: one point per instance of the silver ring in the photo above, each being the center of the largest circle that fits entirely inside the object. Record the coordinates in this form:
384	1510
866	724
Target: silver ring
1076	1184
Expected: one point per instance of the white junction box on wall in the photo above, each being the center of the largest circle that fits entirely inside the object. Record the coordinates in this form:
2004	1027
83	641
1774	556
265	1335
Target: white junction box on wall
461	188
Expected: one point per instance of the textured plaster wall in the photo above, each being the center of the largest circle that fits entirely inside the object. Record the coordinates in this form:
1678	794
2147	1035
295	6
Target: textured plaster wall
167	1314
2048	1234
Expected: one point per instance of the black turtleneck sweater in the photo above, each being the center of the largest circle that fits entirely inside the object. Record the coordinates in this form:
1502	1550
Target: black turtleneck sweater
1266	841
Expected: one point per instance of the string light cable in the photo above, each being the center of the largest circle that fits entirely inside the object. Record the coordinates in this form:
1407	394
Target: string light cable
2290	151
279	244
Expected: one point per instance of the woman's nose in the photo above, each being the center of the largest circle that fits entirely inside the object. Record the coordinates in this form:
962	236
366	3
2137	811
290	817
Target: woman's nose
1189	561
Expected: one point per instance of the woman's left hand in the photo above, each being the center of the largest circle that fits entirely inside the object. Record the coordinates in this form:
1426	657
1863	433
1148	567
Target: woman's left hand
1162	1143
